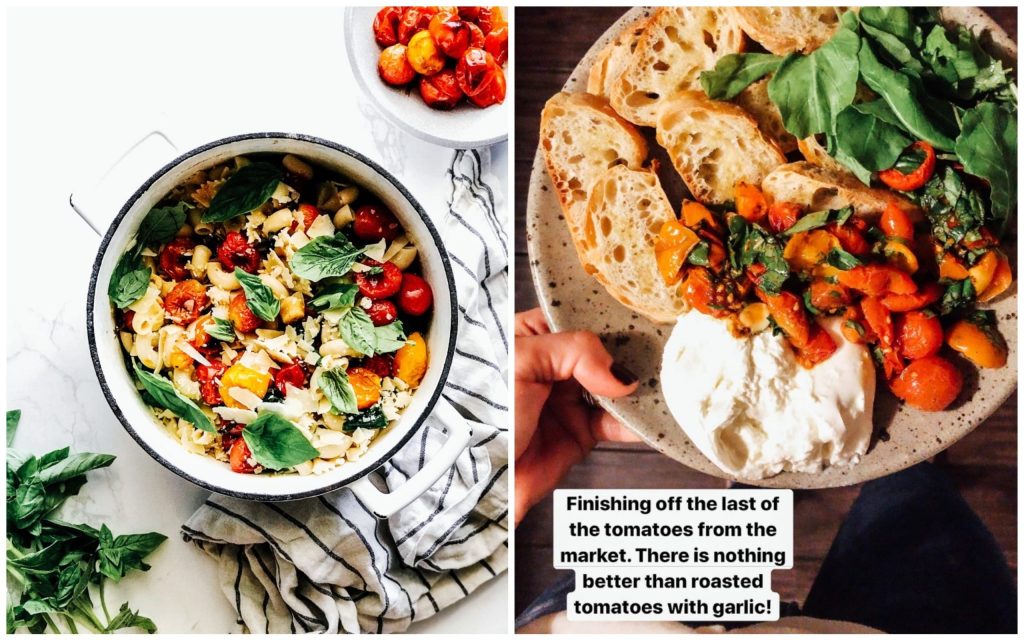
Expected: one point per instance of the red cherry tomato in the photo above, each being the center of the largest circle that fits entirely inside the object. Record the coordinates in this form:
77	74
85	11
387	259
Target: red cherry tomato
385	26
309	216
414	20
373	222
241	316
174	257
918	334
393	66
379	285
449	33
490	18
930	384
896	223
240	457
496	44
480	78
441	90
209	382
383	312
185	302
415	298
783	215
236	252
896	179
477	39
380	364
294	375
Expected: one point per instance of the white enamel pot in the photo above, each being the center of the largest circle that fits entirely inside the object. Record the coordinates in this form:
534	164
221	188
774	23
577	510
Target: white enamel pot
126	403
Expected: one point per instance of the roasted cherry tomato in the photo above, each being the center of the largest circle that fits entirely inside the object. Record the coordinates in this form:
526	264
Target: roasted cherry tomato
373	222
480	78
293	374
393	66
185	302
423	54
928	293
414	20
850	238
699	292
381	364
896	179
496	44
383	312
477	39
828	297
490	18
236	252
879	320
979	342
783	215
209	382
381	285
241	458
878	280
788	312
855	329
751	204
671	248
450	33
895	223
918	334
127	316
241	316
385	26
930	384
415	297
441	91
366	385
174	258
242	377
819	348
309	215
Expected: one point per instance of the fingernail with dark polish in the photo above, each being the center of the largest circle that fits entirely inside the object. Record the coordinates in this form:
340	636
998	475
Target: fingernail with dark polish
622	374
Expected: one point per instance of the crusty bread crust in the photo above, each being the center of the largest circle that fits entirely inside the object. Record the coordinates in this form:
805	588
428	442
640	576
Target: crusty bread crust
613	59
714	145
813	152
625	212
783	30
581	137
755	101
820	188
678	43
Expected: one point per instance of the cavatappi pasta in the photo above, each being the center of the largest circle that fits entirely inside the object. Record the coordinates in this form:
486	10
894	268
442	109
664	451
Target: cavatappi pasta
273	315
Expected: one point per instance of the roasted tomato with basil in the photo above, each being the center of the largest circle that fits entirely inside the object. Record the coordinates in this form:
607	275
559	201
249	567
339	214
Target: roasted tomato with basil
241	316
383	280
185	302
441	91
174	258
480	78
236	252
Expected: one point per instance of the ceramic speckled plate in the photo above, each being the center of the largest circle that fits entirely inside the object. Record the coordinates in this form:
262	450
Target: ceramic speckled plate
464	127
573	300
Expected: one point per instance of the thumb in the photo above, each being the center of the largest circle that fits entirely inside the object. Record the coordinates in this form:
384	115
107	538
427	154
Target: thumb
561	356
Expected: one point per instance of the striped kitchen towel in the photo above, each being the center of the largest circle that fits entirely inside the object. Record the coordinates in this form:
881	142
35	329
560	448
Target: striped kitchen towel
327	564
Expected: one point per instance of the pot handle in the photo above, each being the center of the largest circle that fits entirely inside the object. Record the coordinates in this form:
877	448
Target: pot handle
383	505
99	200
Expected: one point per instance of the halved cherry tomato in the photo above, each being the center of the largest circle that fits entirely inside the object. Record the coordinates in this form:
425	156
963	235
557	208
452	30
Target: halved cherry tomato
241	458
930	384
241	316
441	90
783	215
1001	280
878	319
892	363
751	204
950	268
385	26
918	334
855	329
415	297
185	302
695	214
309	215
381	364
381	285
174	258
373	222
393	66
851	239
383	312
926	295
699	292
788	312
293	374
450	33
480	78
899	254
671	247
895	223
896	179
496	44
209	382
983	271
980	343
366	385
827	296
877	280
236	252
819	348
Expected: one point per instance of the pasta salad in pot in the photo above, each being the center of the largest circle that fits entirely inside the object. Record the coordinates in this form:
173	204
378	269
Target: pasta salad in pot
273	315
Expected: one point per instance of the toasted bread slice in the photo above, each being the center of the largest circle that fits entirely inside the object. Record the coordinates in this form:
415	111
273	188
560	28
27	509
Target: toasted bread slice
581	138
815	153
820	188
714	145
613	58
678	43
626	209
783	30
755	101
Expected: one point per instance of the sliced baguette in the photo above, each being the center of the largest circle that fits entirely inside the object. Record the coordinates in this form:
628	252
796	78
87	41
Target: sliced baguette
626	209
783	30
581	138
613	59
714	145
755	101
820	188
815	153
678	43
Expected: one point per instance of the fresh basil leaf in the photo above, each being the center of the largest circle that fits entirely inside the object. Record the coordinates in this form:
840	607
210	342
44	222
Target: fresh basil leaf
118	556
953	210
817	219
221	329
699	255
811	90
13	418
47	460
735	72
987	148
276	443
72	582
128	619
246	189
896	34
161	224
357	330
29	504
841	259
163	393
335	296
372	418
74	466
957	295
41	561
325	257
390	337
338	390
129	280
872	141
258	296
748	245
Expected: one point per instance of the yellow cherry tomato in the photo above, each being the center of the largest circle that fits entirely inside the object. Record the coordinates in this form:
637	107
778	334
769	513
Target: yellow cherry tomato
423	54
242	376
411	360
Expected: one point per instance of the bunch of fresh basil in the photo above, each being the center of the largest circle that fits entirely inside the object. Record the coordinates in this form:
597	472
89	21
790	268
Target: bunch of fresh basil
53	567
929	83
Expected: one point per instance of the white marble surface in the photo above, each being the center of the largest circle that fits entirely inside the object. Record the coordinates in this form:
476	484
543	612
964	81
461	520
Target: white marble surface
82	86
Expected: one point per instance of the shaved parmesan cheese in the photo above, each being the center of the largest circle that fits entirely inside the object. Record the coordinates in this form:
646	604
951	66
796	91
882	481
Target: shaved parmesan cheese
257	360
322	226
376	251
191	352
245	397
241	416
396	245
283	193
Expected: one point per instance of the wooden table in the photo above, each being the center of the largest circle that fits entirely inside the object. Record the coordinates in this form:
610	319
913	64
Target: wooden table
549	43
